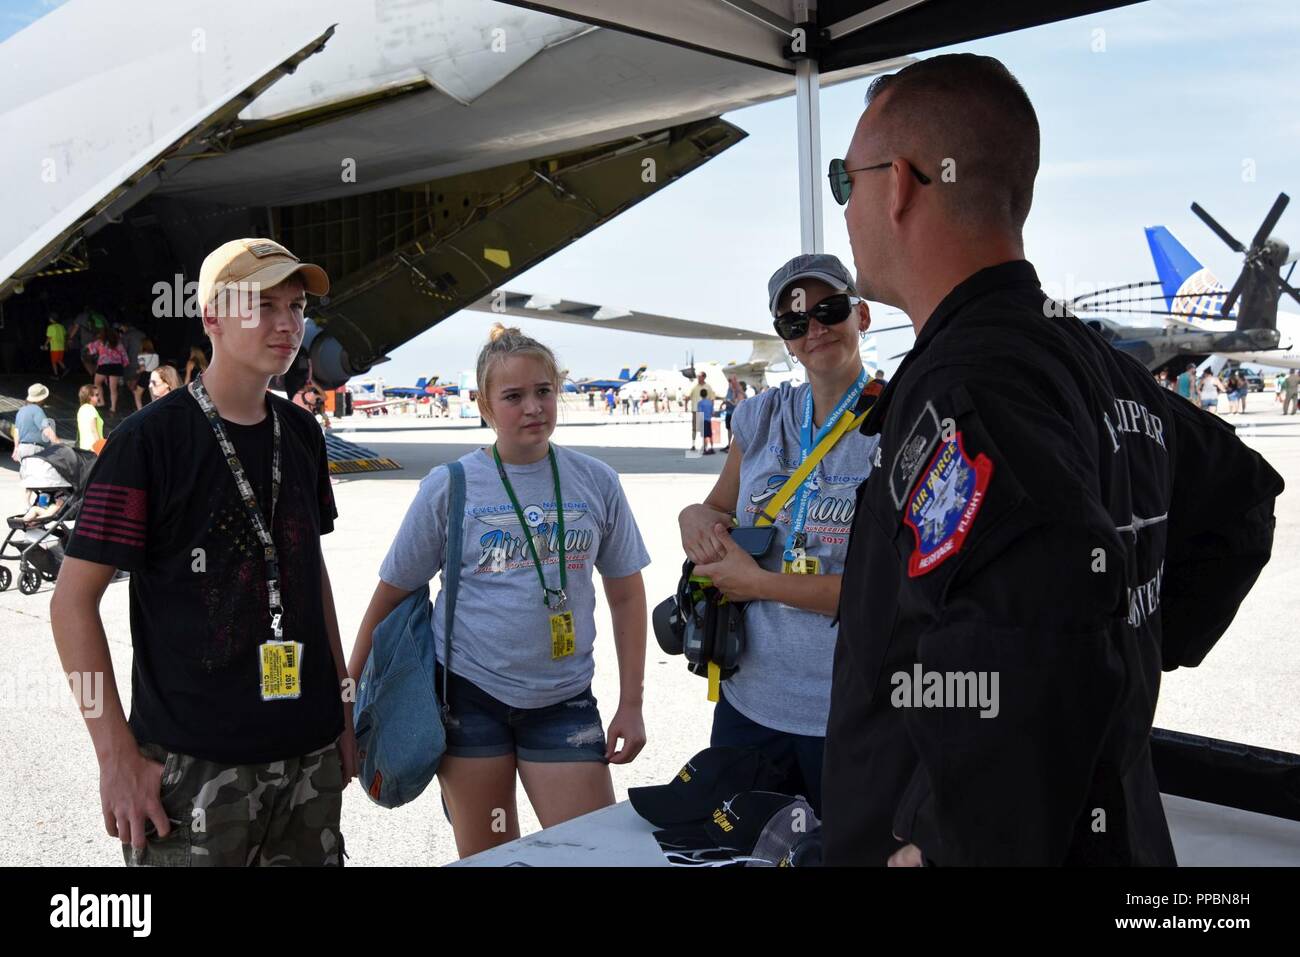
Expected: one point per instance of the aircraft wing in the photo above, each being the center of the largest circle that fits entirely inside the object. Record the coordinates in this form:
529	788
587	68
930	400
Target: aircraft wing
430	152
130	129
528	306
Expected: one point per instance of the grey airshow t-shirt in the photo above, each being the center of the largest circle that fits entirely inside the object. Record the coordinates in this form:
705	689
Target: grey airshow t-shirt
502	638
784	678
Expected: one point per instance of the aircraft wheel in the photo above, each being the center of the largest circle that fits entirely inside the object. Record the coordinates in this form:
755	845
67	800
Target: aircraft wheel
6	578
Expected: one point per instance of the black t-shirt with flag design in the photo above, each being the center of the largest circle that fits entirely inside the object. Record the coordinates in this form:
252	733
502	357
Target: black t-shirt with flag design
161	503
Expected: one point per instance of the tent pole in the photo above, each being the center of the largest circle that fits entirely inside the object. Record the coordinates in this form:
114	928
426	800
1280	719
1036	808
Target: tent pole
807	91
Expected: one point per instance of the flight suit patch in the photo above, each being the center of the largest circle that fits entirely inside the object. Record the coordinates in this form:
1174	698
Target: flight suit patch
944	504
912	453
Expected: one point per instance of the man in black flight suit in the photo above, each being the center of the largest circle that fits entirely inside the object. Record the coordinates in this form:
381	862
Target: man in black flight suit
1045	530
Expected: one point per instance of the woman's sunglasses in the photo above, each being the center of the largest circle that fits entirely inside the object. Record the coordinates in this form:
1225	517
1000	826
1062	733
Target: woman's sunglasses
842	183
831	311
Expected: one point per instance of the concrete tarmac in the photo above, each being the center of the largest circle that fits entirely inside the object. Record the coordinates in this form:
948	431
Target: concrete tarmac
49	800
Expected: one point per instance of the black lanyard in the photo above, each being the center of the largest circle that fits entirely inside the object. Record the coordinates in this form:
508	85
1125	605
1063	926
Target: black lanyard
260	525
559	593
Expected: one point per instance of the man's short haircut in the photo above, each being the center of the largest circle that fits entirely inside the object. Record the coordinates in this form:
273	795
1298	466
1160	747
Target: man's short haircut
968	124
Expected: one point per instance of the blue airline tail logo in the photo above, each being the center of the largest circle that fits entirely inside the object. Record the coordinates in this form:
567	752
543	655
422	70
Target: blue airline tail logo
1190	289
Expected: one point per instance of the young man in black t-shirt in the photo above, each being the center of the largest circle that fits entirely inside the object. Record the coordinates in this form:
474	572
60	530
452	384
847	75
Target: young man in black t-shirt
214	498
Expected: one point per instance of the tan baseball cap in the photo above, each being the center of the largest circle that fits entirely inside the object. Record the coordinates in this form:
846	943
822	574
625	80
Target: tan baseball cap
262	261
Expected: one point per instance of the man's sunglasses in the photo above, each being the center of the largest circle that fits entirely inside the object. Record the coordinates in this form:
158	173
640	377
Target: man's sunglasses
831	311
842	184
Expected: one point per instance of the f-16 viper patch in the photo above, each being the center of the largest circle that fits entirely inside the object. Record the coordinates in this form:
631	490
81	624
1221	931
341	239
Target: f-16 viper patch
912	451
944	504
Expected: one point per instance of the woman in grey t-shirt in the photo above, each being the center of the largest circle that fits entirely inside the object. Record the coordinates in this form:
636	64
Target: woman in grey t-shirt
779	698
523	639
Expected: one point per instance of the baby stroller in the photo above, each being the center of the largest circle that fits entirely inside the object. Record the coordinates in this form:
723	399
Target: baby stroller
55	480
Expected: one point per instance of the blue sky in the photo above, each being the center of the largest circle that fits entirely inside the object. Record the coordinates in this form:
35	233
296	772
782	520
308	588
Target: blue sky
16	14
1185	95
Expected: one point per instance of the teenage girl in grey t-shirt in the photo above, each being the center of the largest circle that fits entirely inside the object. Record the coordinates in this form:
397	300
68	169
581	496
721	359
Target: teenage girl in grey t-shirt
779	698
522	646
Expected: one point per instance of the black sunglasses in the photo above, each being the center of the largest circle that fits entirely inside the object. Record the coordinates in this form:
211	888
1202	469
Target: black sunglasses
831	311
842	184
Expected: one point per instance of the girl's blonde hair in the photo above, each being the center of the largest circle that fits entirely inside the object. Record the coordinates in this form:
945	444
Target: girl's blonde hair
508	343
169	375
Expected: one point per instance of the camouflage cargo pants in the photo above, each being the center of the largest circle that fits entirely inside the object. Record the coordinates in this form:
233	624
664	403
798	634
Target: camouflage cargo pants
254	815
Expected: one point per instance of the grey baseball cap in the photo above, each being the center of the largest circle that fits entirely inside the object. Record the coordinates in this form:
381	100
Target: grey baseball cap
821	266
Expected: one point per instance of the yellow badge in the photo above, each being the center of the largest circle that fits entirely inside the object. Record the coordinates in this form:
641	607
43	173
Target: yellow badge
281	670
801	566
562	641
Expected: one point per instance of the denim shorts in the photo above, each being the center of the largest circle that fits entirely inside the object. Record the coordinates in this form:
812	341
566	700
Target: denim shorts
480	726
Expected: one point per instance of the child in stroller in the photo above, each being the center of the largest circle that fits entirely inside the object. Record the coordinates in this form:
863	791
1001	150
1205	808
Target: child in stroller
55	481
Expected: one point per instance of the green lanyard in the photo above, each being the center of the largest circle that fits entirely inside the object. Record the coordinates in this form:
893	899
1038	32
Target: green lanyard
561	597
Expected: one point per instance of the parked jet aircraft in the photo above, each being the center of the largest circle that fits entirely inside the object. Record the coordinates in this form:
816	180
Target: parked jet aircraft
600	385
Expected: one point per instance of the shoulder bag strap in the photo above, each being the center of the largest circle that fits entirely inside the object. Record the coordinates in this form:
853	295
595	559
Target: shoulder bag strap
451	566
773	508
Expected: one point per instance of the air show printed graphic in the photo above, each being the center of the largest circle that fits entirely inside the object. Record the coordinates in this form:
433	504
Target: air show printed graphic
827	512
504	545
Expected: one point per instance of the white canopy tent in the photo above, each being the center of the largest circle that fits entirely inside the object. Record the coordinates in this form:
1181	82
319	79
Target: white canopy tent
810	37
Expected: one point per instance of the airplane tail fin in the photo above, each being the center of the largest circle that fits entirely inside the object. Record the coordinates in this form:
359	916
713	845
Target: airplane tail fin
624	374
1190	289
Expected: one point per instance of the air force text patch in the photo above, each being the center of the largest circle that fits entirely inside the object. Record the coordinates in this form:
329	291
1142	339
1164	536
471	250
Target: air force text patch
912	452
944	504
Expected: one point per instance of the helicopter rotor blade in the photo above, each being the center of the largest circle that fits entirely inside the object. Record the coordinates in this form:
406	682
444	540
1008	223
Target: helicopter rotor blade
1219	231
1270	220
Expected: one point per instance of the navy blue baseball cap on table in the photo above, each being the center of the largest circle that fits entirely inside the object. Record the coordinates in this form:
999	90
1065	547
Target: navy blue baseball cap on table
704	781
